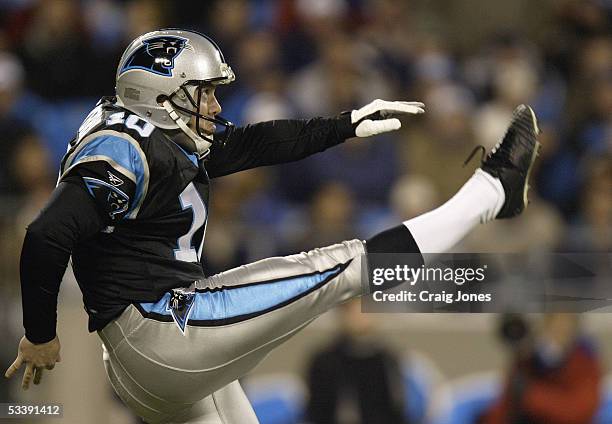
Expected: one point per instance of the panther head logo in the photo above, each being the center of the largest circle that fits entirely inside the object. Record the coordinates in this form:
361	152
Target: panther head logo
156	55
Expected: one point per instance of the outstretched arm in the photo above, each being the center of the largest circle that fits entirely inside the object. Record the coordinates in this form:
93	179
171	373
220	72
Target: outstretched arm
70	216
281	141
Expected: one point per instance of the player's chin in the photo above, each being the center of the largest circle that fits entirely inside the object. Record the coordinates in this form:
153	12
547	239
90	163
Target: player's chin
209	129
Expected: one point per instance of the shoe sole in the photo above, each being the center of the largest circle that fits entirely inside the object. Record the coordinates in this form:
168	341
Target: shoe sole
534	155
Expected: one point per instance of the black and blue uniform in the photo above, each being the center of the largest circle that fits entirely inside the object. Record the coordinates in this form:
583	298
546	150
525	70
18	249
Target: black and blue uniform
131	208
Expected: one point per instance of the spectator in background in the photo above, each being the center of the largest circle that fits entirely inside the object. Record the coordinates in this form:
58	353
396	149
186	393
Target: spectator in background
444	140
33	175
26	172
226	235
230	31
110	26
413	195
338	80
331	81
574	21
11	83
368	172
55	50
13	131
52	45
543	230
555	376
592	231
105	21
331	215
433	62
514	79
260	91
31	172
594	136
356	379
146	15
243	221
26	184
586	126
387	33
306	25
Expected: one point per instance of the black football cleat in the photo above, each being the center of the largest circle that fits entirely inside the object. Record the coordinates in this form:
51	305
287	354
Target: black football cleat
512	159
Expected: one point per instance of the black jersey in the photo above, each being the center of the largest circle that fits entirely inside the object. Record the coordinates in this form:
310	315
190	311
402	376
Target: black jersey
153	198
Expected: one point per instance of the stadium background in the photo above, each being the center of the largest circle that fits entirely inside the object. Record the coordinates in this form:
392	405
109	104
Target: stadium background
470	61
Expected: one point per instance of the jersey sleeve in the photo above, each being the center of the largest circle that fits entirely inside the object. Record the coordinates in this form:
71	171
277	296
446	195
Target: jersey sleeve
275	142
114	171
69	216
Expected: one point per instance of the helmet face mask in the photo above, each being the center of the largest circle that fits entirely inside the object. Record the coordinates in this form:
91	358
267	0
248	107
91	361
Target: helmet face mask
161	76
195	99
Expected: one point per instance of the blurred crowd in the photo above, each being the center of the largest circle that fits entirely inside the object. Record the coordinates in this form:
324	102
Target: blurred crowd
554	375
298	58
471	62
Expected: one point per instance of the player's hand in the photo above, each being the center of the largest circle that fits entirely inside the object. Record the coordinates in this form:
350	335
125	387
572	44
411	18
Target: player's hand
36	357
380	116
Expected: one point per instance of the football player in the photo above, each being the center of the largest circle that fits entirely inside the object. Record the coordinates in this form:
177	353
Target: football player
131	206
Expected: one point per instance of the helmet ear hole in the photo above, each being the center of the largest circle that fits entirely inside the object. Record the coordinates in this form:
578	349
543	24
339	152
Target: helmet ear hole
161	98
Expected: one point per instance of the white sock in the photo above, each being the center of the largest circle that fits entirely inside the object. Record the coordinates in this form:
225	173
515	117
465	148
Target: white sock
478	201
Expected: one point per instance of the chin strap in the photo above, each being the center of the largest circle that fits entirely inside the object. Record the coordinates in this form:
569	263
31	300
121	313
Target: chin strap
202	146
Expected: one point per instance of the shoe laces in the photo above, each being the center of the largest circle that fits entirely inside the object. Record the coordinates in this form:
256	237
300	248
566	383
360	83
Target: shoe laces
482	155
499	155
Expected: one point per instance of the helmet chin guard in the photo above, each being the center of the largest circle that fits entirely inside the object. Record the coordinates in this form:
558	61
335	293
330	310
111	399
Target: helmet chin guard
155	76
202	145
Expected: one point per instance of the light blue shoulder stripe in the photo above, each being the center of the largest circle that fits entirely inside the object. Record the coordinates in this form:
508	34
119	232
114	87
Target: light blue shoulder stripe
231	302
120	151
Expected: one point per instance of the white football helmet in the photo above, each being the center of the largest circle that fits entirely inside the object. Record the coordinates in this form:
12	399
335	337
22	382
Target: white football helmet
161	76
